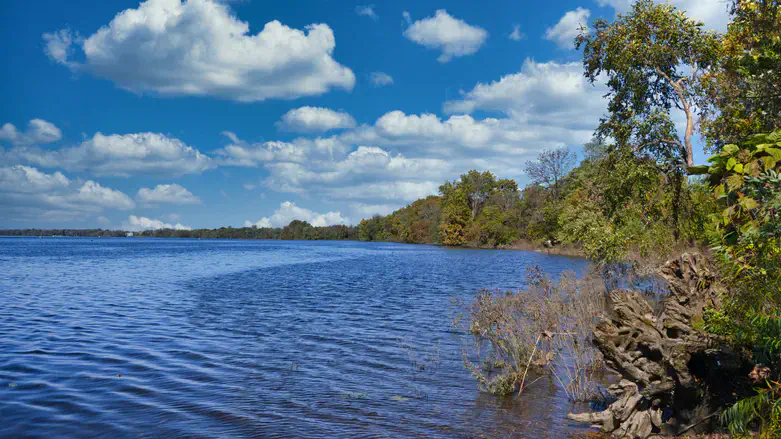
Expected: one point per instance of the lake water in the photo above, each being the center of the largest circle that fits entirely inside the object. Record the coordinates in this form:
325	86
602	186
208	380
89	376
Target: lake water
270	339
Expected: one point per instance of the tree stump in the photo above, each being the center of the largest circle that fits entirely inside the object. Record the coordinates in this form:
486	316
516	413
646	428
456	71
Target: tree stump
674	375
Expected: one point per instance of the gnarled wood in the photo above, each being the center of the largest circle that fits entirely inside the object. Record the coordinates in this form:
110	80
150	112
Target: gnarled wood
668	365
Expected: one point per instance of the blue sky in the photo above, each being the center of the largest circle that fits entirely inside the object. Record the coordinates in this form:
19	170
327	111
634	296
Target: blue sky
207	114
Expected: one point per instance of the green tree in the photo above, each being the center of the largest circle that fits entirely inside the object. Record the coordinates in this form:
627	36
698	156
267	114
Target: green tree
744	94
477	186
456	214
653	58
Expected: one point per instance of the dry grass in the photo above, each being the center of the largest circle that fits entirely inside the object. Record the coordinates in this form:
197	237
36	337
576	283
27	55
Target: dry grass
517	337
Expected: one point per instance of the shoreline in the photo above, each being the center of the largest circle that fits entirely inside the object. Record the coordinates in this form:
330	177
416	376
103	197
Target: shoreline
523	245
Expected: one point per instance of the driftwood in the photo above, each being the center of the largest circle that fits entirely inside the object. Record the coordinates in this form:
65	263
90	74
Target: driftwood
673	373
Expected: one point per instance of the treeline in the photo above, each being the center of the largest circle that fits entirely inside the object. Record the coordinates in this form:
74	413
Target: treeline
63	232
614	202
296	230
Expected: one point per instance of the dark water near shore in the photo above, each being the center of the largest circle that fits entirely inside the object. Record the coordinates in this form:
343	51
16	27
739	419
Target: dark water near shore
180	338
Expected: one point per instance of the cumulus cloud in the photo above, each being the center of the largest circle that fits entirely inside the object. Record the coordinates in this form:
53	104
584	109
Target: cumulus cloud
38	132
166	194
27	193
362	210
565	31
347	178
120	155
452	36
366	11
401	157
200	48
546	93
315	119
288	211
242	153
406	191
714	13
380	79
516	34
140	223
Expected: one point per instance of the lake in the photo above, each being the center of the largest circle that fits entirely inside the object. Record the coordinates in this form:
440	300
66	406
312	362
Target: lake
130	337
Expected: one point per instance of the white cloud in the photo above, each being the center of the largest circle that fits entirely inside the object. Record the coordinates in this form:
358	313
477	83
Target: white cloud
59	45
549	93
714	13
94	194
348	178
402	157
315	119
166	193
460	136
288	211
516	34
38	132
366	11
361	210
565	31
406	191
380	79
199	48
250	186
140	223
454	37
27	193
26	179
120	155
241	153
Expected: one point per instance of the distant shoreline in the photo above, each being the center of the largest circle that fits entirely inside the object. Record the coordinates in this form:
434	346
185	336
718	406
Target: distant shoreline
523	245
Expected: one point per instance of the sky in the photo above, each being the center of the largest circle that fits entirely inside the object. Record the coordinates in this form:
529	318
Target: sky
206	113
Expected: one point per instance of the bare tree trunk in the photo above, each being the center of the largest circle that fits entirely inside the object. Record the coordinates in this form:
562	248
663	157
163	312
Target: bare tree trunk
687	136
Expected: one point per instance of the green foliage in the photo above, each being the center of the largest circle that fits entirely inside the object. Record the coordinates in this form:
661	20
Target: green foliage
743	94
762	409
618	201
456	215
416	223
746	237
654	58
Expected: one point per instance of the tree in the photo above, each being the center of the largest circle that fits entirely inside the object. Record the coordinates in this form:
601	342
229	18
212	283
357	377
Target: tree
506	193
744	94
477	187
550	167
654	58
456	215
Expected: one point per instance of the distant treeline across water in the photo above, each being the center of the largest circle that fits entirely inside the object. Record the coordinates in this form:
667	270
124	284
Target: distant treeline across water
296	230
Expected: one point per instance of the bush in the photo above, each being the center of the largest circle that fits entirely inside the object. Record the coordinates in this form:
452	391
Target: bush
545	329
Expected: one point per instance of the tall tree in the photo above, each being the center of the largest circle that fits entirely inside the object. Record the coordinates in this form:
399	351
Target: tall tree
477	187
456	214
654	58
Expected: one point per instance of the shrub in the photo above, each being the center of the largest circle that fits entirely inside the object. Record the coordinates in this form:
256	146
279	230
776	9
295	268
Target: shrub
545	329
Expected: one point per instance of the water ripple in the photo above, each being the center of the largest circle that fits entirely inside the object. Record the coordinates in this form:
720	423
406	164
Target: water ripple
177	338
